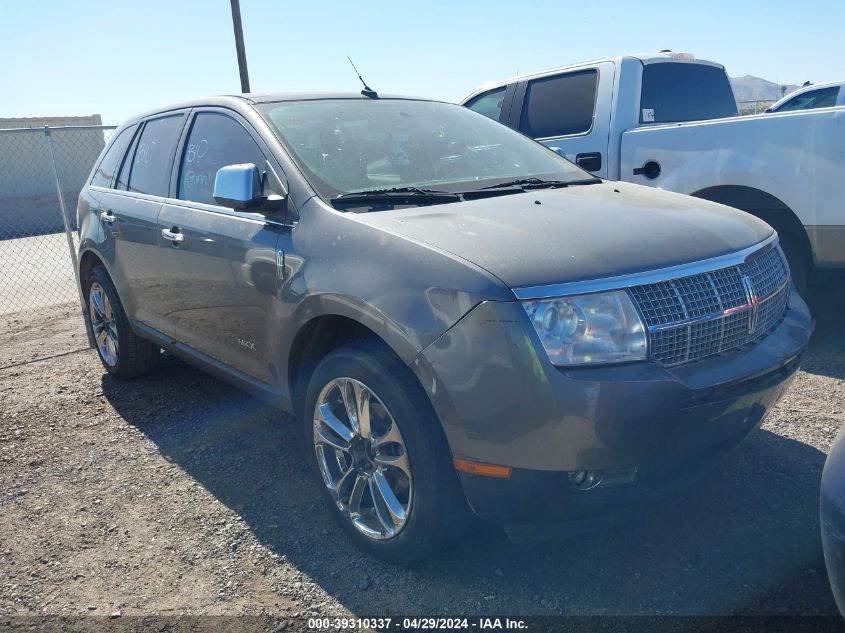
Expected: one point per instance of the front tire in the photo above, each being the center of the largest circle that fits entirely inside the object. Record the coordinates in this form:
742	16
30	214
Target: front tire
123	354
383	464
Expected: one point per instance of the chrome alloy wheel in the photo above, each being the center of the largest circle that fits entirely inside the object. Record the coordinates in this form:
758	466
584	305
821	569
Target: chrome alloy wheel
103	323
362	458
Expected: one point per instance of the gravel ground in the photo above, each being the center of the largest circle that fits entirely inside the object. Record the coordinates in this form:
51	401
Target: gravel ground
176	494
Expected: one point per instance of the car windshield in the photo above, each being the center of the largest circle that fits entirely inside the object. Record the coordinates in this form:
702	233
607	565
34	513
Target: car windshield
822	98
355	145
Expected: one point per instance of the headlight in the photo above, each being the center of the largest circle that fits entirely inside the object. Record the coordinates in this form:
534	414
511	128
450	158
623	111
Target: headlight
589	329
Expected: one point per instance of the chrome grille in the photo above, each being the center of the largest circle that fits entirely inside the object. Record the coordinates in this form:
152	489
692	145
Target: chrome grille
704	314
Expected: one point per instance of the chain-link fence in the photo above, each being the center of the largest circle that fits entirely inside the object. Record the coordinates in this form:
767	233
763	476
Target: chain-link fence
753	107
42	171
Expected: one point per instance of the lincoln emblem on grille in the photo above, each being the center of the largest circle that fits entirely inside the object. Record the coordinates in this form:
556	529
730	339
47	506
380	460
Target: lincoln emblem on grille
694	316
753	301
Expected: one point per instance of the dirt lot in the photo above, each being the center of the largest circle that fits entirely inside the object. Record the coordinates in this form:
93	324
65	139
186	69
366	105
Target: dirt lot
176	494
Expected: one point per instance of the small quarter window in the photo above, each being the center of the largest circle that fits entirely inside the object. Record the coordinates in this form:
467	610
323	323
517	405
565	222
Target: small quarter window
122	181
104	174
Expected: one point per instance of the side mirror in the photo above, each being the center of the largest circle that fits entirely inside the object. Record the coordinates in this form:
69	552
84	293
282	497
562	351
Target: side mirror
238	187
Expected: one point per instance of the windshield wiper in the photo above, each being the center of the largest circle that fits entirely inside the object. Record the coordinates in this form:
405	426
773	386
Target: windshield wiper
412	195
539	183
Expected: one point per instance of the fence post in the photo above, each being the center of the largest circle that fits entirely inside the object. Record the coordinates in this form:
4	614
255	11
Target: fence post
48	136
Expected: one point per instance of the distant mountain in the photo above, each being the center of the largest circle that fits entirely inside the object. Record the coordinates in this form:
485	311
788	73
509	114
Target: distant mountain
750	88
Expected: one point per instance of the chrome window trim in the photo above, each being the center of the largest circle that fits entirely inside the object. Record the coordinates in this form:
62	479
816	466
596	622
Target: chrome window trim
255	217
621	282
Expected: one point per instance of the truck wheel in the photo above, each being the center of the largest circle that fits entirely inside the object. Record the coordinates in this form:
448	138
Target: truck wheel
123	354
383	464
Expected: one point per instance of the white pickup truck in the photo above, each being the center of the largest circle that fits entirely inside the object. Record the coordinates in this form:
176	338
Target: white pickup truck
669	120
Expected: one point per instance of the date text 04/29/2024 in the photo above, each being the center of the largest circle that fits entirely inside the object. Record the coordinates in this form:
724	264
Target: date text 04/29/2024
417	624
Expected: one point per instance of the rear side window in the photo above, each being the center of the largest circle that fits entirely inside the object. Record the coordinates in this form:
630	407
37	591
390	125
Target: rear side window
104	175
560	106
215	140
679	91
489	104
151	163
822	98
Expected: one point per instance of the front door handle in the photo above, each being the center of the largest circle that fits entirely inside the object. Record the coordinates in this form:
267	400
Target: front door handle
107	216
591	161
172	235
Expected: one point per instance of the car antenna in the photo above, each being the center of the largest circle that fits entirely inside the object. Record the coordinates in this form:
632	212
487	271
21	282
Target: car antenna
367	91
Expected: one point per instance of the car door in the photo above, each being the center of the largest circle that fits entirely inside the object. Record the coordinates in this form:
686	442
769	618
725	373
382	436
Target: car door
103	180
568	112
129	216
221	264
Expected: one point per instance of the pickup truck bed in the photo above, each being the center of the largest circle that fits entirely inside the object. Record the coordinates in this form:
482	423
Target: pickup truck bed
788	169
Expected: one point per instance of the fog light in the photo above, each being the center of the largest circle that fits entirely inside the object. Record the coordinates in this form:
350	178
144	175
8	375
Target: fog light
585	479
589	479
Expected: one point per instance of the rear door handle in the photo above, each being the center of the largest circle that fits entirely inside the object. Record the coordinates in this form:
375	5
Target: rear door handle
591	161
107	216
172	235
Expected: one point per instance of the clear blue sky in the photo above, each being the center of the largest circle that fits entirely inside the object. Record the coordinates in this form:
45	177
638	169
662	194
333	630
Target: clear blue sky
119	57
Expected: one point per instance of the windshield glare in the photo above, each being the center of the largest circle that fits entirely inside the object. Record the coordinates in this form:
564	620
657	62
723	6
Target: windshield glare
350	145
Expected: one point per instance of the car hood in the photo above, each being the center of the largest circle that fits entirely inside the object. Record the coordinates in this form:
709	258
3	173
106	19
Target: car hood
584	232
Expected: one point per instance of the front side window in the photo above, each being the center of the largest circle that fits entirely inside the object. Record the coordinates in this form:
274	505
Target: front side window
215	140
355	145
104	174
151	163
822	98
680	91
559	106
489	104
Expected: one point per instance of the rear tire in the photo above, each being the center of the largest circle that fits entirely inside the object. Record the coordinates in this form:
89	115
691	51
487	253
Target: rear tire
426	509
124	354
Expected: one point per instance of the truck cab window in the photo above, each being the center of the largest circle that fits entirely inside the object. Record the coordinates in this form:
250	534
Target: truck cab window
489	104
561	105
678	91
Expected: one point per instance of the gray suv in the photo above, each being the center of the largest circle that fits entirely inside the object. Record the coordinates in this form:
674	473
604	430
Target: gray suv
461	318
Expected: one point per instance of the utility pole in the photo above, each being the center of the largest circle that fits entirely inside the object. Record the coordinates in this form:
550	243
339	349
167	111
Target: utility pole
239	44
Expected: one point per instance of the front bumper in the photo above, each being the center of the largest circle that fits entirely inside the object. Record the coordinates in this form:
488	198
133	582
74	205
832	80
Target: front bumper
501	402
